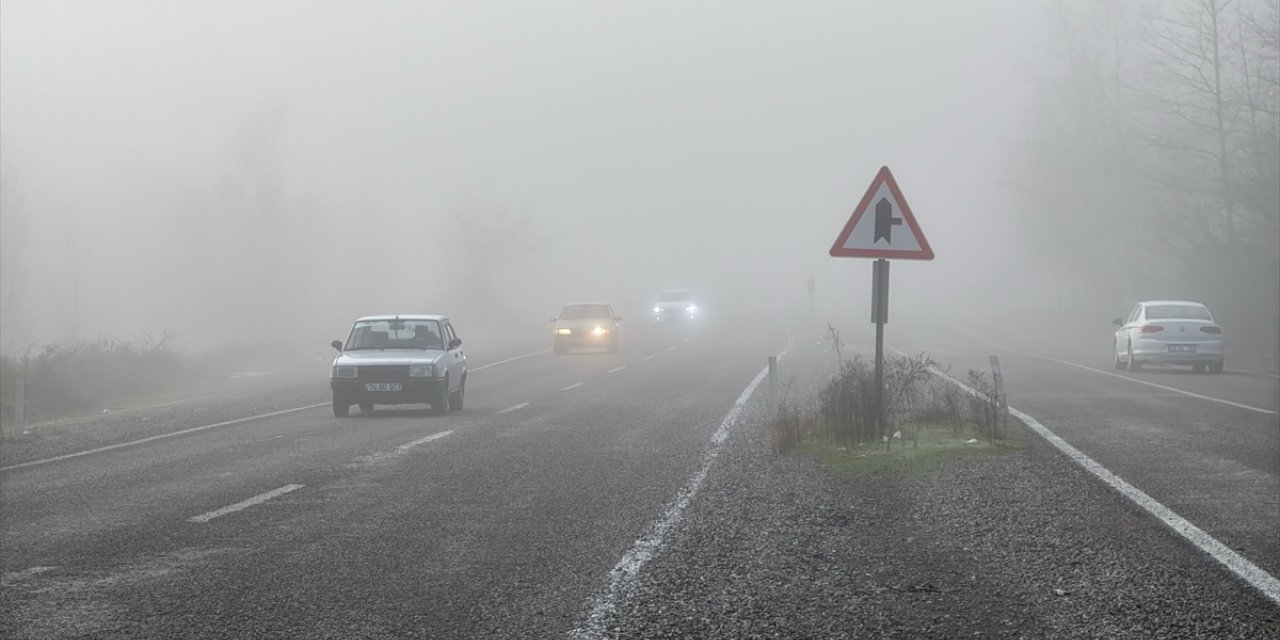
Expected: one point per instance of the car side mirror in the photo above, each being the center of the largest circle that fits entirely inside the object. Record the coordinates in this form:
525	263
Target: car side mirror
336	344
619	318
1118	322
455	343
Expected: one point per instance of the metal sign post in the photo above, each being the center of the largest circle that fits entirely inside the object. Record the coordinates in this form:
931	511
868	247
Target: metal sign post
880	317
874	236
812	315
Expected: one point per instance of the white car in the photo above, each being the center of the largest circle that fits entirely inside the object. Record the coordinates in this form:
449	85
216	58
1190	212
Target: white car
1169	332
399	359
675	305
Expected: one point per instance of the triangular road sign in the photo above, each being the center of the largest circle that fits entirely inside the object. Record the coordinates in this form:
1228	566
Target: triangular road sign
891	231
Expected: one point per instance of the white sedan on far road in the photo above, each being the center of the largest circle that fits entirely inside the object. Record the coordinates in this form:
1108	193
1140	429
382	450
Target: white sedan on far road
1169	332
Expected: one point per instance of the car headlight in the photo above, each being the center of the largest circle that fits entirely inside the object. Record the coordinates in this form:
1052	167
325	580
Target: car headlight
657	309
422	371
691	308
343	372
599	331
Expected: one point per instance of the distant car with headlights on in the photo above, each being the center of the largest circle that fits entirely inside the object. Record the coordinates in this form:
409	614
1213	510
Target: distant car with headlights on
675	305
399	359
590	325
1169	332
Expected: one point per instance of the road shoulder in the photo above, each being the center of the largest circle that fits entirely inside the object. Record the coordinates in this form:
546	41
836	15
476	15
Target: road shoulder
1025	544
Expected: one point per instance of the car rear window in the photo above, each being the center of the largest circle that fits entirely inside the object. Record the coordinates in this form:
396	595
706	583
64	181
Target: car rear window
1177	312
585	311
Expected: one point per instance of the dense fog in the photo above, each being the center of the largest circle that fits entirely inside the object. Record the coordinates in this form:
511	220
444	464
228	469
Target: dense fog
245	173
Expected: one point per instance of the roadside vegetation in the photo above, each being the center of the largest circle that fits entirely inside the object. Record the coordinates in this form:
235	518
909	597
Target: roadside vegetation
62	380
928	420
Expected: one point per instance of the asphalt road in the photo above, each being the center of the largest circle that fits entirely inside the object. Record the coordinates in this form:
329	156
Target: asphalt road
509	519
1205	446
501	520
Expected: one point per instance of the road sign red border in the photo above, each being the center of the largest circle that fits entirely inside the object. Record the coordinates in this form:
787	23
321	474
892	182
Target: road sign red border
924	253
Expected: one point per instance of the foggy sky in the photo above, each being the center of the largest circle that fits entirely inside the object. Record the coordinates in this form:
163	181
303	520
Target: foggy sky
714	145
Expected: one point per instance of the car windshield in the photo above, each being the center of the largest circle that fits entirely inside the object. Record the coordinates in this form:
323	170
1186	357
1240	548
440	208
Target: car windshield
578	311
674	296
1177	312
395	334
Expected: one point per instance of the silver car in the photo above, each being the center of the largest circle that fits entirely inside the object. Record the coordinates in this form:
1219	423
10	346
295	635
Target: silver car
399	359
586	325
1169	332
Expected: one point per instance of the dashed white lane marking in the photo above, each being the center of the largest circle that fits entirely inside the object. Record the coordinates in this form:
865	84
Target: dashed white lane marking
572	386
1184	392
647	358
435	436
494	364
671	348
616	369
604	605
515	407
1234	562
245	504
162	436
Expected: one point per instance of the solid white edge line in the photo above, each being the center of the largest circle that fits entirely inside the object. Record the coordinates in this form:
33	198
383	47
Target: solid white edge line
159	437
244	504
434	436
1244	371
572	386
520	357
616	369
33	463
516	407
1077	365
1255	576
604	605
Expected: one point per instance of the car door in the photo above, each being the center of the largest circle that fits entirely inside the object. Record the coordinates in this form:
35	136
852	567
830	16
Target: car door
1131	325
455	358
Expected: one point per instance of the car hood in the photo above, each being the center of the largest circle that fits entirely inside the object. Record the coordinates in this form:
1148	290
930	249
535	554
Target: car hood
583	324
674	304
387	357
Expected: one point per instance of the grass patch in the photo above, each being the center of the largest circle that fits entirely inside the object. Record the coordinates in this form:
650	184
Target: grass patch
66	380
937	446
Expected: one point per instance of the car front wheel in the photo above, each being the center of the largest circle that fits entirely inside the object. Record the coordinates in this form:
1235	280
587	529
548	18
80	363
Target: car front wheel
455	400
440	400
1215	367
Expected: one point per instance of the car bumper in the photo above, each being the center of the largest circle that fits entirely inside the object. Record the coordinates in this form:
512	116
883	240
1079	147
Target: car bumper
1205	352
584	340
412	391
681	316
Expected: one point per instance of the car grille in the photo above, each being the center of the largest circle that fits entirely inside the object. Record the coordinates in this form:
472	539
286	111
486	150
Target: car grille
384	372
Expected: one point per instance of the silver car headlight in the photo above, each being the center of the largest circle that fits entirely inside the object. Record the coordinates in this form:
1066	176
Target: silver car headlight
343	372
422	371
657	309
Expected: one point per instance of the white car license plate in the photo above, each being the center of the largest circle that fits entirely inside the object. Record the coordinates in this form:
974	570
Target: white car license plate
1182	348
382	386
